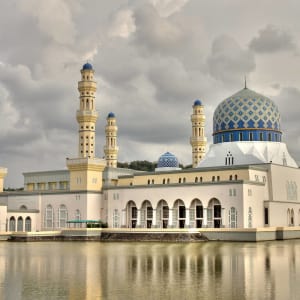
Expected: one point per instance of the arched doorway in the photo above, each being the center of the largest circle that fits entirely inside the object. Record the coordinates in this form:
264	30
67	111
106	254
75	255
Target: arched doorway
162	214
214	213
28	224
146	214
12	224
20	224
196	214
179	213
131	212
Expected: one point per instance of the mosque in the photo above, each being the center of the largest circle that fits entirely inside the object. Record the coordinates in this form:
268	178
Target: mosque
247	179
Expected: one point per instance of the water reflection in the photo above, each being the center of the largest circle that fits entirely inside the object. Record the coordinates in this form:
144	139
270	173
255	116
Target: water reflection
78	270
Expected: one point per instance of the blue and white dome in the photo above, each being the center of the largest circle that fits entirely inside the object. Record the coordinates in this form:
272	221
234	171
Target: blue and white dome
167	161
246	116
87	66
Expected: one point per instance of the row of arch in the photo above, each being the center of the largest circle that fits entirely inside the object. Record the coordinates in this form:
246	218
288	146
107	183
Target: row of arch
176	216
19	224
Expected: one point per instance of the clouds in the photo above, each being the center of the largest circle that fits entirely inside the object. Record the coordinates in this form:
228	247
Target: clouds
152	59
271	39
228	61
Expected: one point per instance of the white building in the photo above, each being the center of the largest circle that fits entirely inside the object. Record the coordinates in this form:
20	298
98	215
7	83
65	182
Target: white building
247	179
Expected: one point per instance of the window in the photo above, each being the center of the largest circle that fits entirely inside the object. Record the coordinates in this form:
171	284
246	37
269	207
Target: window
164	181
28	224
269	137
240	136
12	224
62	216
20	224
230	177
213	178
261	137
266	214
196	179
49	216
251	136
235	177
250	217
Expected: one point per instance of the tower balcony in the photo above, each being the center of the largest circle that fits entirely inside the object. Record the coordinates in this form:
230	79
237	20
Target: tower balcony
87	85
87	115
198	139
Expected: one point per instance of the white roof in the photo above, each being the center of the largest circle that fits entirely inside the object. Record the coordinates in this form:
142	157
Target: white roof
245	153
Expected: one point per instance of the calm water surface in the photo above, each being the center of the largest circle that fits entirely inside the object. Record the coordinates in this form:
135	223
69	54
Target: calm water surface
92	270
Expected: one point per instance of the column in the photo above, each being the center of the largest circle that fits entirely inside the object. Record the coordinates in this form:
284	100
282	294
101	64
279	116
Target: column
204	217
223	217
187	218
123	218
170	223
138	221
154	219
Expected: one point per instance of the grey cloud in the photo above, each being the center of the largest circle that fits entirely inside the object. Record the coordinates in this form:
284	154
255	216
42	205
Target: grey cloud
228	62
271	39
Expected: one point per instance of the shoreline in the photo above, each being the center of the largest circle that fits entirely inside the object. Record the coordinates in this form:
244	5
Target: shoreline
157	235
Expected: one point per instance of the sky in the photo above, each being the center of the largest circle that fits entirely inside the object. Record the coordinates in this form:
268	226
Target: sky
152	60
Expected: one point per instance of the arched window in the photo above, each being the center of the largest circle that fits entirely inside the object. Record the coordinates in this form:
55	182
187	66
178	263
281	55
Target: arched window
49	217
230	177
196	179
201	179
12	224
168	181
235	177
28	224
213	178
164	181
184	180
179	180
292	217
20	224
62	216
23	207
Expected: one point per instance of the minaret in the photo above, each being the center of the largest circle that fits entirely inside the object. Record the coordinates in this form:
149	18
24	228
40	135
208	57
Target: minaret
86	170
3	173
198	139
87	114
111	149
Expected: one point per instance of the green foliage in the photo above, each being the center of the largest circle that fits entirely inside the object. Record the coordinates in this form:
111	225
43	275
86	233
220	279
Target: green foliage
139	165
144	165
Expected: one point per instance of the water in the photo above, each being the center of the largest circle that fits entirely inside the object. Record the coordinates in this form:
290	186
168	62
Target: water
93	270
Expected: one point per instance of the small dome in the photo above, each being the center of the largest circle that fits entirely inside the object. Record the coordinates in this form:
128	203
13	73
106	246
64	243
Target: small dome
168	160
111	115
197	102
87	66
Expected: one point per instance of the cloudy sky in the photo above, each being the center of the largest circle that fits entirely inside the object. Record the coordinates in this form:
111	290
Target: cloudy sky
152	59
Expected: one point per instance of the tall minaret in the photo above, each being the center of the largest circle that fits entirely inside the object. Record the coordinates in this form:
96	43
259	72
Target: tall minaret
198	138
111	149
86	170
87	114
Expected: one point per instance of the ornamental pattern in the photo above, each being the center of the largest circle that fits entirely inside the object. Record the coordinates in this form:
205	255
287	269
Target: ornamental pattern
168	160
246	109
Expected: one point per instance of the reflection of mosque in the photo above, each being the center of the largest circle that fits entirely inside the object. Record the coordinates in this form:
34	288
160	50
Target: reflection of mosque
212	270
246	179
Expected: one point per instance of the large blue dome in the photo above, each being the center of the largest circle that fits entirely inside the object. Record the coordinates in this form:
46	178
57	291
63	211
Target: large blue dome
246	116
168	160
87	66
